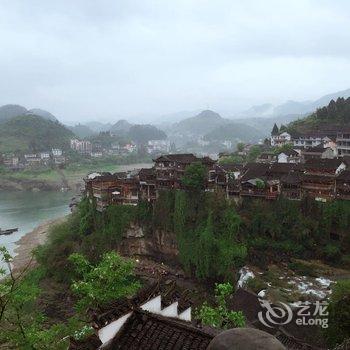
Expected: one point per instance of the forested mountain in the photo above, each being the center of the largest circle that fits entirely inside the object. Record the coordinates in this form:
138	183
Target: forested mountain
144	133
10	111
121	127
42	113
139	133
233	132
201	124
31	133
336	114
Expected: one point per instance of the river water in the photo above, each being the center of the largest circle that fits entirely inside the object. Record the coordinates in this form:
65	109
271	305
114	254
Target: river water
27	210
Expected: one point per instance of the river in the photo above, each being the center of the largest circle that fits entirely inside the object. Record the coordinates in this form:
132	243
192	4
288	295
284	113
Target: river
27	210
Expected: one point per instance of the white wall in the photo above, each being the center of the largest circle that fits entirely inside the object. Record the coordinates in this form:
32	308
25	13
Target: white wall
107	333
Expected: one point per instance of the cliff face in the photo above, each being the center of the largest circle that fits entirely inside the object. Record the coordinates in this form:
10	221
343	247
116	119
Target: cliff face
158	245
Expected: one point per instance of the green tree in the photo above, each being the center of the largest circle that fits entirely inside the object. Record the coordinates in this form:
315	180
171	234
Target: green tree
339	313
233	158
240	146
275	130
111	278
220	316
206	250
253	154
195	177
23	325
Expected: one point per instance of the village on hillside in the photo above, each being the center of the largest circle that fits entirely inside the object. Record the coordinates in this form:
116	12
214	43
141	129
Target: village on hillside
311	164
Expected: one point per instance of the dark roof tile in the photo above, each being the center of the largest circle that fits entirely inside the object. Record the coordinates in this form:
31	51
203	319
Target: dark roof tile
144	330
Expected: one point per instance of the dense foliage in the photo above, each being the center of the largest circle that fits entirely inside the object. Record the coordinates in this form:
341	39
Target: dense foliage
143	133
220	316
30	133
339	313
194	177
25	326
110	279
336	113
206	226
87	232
306	229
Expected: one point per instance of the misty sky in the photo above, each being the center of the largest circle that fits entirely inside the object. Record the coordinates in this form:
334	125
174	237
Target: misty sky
111	58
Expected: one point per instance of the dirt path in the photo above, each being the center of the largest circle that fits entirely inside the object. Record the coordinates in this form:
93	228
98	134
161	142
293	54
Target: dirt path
29	242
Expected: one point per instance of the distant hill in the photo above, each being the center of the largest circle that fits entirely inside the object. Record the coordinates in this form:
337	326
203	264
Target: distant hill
41	113
265	124
201	124
98	127
31	133
234	132
145	133
121	127
10	111
81	131
171	118
336	114
292	107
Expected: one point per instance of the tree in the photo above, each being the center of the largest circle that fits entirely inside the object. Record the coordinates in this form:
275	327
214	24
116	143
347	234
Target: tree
254	152
283	128
275	130
339	313
206	250
195	177
240	146
112	278
220	316
23	326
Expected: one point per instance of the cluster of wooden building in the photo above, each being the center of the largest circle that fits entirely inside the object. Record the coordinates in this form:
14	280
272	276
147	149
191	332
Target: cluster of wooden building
321	179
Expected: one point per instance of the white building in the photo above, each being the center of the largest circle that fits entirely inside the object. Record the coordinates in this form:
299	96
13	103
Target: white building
130	147
45	155
343	143
288	156
56	152
158	146
281	139
83	147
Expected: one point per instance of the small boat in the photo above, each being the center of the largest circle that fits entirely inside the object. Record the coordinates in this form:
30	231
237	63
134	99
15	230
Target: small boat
8	232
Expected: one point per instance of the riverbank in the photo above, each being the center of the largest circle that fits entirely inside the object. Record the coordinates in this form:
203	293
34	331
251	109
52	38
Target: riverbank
27	243
56	179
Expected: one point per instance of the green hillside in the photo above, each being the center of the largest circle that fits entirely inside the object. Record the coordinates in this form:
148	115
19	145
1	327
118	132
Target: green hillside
201	124
234	131
336	114
30	133
10	111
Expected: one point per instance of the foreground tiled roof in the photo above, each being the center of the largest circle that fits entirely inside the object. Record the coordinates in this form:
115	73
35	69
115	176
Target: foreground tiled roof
110	312
145	330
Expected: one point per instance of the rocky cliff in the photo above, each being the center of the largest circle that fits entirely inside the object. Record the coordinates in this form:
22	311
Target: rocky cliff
159	246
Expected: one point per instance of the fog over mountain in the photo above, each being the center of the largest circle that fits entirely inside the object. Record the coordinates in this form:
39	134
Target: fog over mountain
88	61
